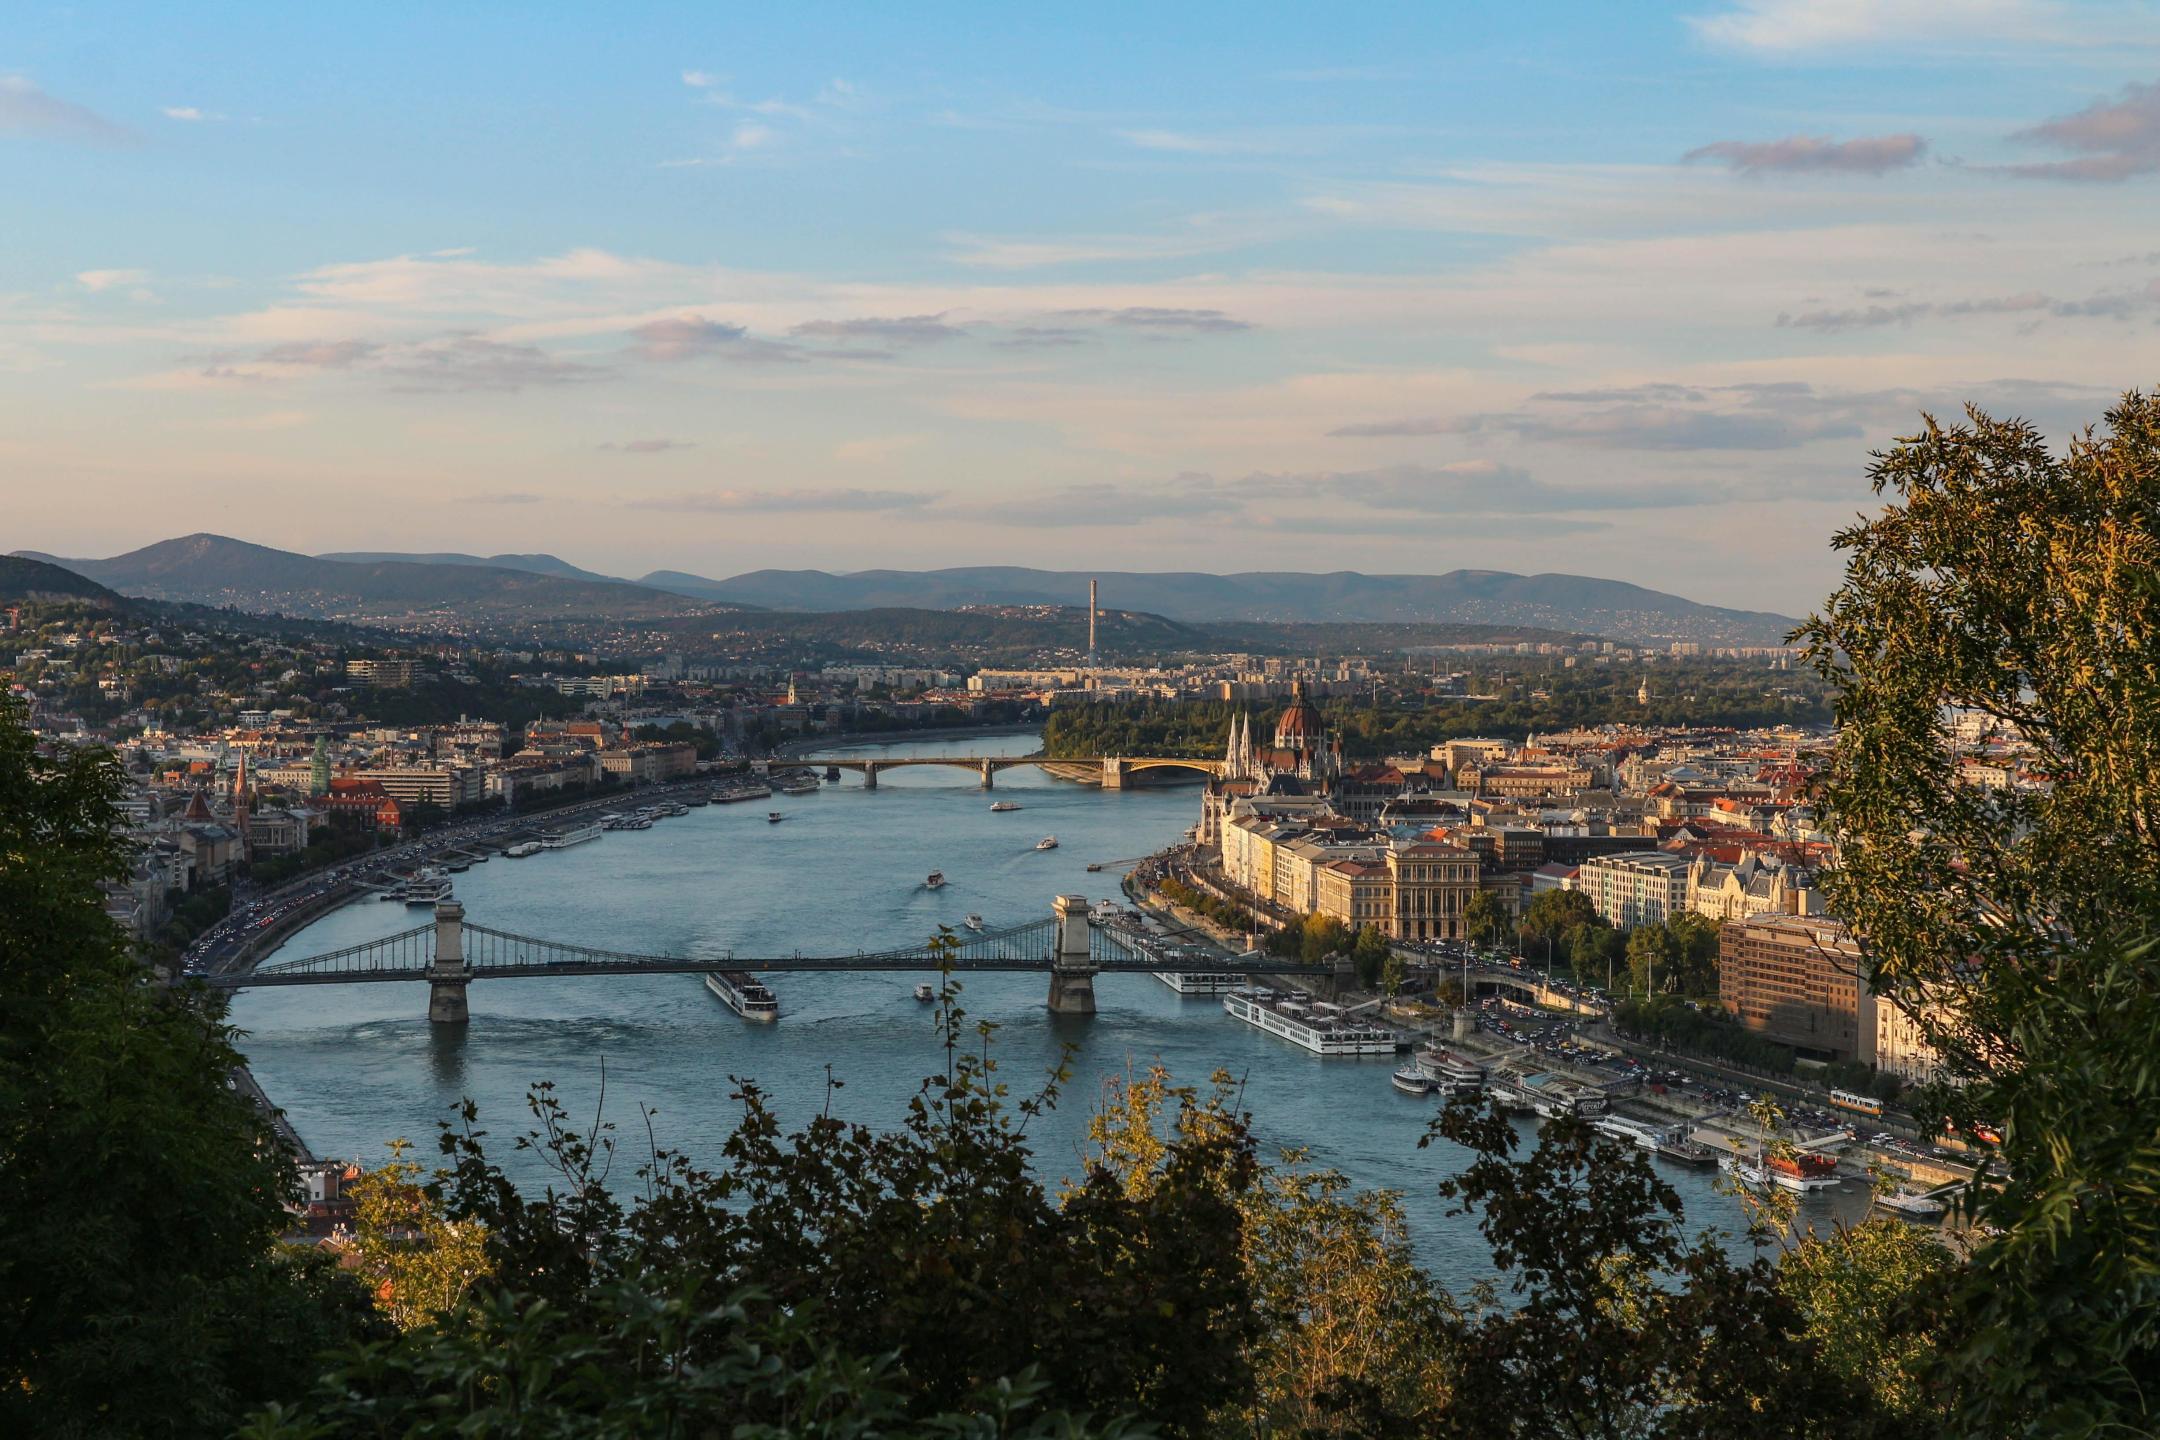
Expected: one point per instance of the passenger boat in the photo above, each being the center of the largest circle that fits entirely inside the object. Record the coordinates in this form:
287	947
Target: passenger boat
1455	1073
1412	1080
1803	1170
1313	1025
426	887
924	993
973	922
1106	912
522	849
574	835
774	817
1909	1202
1003	807
935	880
744	994
1048	842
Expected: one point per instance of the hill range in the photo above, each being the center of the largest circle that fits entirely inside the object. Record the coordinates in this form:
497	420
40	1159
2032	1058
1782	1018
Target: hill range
390	587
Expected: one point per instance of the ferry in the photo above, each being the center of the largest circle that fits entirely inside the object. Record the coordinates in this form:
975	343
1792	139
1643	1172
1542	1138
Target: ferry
1455	1073
935	880
1628	1132
614	820
973	922
1909	1202
1106	912
1048	842
1412	1080
564	839
522	849
1003	807
426	888
774	817
797	785
1312	1025
924	993
743	994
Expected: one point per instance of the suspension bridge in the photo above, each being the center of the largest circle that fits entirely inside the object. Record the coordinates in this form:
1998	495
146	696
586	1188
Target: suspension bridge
450	953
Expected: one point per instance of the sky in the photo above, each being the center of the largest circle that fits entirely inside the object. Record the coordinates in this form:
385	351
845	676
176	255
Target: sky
1625	290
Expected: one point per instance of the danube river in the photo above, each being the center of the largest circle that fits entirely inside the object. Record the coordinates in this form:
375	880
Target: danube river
357	1065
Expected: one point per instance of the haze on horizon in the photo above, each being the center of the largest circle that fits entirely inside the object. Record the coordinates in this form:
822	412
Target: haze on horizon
1614	290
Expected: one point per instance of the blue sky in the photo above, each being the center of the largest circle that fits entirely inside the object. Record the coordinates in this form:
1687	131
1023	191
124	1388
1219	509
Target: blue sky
1614	289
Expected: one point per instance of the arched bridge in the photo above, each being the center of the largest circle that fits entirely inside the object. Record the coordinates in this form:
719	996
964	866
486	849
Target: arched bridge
450	954
1115	771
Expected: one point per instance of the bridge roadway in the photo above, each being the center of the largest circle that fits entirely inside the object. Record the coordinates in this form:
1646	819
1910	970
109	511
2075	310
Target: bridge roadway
1115	770
452	946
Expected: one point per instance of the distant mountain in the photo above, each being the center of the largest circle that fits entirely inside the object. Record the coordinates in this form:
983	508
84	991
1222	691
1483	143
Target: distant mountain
1576	603
215	570
536	564
33	577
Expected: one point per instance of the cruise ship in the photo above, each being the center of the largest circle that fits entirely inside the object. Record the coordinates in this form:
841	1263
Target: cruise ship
574	835
744	994
1313	1025
1201	982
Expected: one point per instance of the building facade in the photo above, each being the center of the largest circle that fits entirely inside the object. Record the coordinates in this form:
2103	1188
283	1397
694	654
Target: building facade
1637	887
1796	979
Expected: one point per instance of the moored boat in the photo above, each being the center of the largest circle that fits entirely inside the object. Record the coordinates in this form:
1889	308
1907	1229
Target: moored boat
568	836
1412	1080
1909	1202
1803	1170
1314	1025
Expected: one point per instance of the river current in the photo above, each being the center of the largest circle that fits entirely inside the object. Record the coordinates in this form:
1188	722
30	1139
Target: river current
355	1066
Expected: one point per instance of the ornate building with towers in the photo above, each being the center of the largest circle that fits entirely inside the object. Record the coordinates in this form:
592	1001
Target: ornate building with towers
1305	759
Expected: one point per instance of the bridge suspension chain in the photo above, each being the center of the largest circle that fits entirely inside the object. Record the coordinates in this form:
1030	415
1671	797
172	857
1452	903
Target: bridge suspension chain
408	949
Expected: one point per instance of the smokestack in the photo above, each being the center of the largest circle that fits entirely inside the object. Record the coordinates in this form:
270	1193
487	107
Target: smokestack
1091	622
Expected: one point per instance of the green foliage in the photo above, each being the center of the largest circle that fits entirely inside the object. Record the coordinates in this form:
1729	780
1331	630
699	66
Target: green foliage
141	1287
1706	1032
1618	1325
1866	1294
1206	906
1674	957
1485	919
2019	584
1370	954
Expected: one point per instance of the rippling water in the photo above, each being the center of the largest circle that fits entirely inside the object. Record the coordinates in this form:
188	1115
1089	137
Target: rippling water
357	1065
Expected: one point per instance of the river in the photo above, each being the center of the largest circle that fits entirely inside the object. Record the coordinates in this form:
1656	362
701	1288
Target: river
357	1065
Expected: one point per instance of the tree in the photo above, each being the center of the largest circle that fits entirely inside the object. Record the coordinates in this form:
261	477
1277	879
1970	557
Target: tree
1323	936
1369	954
2016	586
1485	919
1592	950
1552	913
141	1197
417	1261
1653	960
1352	1332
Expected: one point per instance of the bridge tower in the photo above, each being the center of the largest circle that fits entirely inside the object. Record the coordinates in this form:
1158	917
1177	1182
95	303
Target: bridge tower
989	774
869	774
1072	968
1113	773
449	975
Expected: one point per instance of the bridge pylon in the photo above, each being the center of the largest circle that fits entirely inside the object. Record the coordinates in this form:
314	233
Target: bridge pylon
1072	964
869	775
989	774
449	976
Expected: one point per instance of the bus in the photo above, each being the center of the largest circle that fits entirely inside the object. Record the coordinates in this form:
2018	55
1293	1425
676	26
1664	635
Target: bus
1858	1104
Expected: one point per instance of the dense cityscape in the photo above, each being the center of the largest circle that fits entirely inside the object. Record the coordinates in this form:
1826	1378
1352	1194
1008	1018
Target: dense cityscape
1218	722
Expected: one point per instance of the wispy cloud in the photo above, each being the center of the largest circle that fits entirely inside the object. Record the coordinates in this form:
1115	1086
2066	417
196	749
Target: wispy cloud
189	114
1177	142
501	497
2109	140
730	502
463	363
1160	317
887	329
2115	304
1804	154
1656	416
323	354
1782	29
27	111
683	337
99	281
648	447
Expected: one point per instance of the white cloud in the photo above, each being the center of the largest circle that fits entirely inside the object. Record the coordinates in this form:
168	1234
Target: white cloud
1792	29
99	281
189	114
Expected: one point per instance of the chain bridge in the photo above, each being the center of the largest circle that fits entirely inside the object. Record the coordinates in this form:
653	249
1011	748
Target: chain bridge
449	954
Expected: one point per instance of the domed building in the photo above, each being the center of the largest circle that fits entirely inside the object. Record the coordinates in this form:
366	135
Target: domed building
1306	759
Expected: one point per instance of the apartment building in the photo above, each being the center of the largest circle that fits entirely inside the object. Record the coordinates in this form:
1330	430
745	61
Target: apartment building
1636	887
1795	979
